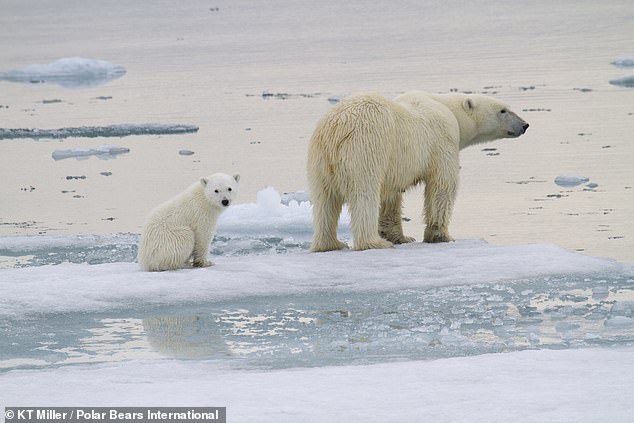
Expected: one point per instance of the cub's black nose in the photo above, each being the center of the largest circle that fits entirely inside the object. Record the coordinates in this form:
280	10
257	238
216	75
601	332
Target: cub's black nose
525	127
225	203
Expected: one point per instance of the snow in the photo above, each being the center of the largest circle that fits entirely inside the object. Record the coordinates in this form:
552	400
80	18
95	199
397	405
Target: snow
103	152
585	385
274	214
69	72
119	130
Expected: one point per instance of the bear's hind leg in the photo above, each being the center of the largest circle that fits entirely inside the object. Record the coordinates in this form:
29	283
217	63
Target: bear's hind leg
172	249
364	219
390	221
326	211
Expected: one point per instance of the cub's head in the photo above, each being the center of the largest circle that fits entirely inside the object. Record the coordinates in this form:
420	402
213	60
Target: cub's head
220	189
492	118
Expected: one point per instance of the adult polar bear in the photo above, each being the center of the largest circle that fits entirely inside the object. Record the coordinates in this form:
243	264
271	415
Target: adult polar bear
368	150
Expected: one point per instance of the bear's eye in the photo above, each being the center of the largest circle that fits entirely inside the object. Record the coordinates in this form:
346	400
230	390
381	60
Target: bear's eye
503	111
229	189
216	191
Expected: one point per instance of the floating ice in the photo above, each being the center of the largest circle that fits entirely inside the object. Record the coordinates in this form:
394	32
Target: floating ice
626	81
570	181
70	72
624	62
122	130
298	196
103	152
273	214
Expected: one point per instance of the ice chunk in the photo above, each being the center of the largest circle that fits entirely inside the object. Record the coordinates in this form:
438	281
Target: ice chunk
626	81
69	72
121	130
103	152
624	62
570	181
297	196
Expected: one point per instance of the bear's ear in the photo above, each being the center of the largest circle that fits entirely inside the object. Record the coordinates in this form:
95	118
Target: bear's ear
203	181
468	104
236	177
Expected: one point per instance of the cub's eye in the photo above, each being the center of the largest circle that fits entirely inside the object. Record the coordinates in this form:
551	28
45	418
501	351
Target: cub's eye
216	191
503	111
229	189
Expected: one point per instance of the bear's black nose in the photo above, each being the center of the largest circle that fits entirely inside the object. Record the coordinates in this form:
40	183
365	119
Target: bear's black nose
225	202
525	127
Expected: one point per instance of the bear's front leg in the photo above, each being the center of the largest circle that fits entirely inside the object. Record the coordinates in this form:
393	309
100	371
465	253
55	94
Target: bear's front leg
201	249
439	200
435	234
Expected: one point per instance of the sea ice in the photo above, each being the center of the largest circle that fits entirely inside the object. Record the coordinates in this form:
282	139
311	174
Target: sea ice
570	181
297	196
70	72
624	62
626	81
120	130
103	152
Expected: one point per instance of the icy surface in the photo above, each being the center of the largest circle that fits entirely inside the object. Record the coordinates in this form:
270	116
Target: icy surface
624	61
626	81
586	385
70	72
103	152
122	130
570	181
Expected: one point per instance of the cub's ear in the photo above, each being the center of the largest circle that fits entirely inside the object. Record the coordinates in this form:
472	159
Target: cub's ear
468	104
204	181
236	177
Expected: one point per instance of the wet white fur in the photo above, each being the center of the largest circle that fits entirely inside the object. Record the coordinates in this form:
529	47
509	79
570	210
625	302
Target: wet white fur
368	150
181	229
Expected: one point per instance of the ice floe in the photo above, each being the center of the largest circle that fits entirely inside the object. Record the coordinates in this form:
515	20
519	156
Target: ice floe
103	152
119	130
69	72
570	181
626	81
624	61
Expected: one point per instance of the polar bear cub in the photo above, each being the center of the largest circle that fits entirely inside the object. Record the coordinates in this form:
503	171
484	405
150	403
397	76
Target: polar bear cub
181	229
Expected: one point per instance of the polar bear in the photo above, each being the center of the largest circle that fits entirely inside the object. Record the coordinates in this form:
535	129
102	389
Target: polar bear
368	150
181	229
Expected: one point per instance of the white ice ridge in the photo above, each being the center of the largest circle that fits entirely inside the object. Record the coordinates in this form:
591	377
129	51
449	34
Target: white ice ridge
69	72
103	152
120	130
83	287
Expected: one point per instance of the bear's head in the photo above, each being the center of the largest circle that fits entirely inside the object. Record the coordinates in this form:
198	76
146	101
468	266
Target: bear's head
220	189
492	119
